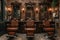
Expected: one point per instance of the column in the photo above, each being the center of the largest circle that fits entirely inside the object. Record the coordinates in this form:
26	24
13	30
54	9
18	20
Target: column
2	19
2	10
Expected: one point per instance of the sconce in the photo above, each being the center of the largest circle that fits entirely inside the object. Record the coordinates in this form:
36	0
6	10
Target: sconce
23	10
8	9
36	9
51	9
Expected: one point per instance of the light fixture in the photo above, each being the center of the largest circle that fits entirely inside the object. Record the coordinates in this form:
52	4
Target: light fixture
23	9
51	9
8	9
36	9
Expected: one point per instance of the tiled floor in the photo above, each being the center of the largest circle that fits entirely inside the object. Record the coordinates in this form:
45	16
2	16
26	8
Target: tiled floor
19	37
23	37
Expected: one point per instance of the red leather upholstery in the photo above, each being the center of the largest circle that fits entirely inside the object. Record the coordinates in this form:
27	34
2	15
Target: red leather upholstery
49	29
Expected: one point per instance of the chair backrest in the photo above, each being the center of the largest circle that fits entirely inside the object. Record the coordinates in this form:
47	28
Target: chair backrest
46	23
30	23
14	23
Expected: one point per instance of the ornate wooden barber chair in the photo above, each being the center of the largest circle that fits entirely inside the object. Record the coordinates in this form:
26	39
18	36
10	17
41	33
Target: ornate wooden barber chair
12	27
48	29
30	29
